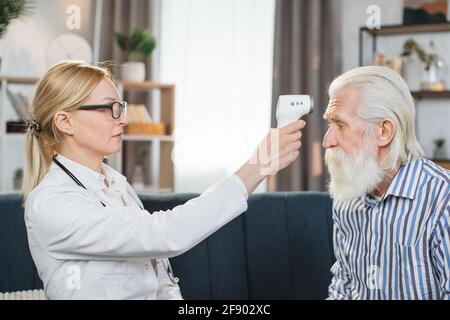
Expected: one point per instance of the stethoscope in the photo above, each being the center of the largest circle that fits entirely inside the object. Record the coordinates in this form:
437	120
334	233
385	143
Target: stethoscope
168	267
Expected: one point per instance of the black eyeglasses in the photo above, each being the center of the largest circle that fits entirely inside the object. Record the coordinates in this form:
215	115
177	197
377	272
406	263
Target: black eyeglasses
117	108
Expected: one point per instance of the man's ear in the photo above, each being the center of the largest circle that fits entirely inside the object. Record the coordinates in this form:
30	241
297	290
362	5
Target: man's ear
64	122
386	132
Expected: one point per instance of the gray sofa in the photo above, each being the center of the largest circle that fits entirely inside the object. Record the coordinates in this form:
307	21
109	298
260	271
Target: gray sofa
281	248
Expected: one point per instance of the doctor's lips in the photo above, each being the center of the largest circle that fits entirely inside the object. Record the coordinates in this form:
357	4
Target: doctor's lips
119	135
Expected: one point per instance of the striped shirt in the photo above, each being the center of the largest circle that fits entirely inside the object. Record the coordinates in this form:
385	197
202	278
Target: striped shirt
397	246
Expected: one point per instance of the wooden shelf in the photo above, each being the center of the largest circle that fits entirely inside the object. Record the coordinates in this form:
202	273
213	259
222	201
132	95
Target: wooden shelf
431	94
145	85
127	85
126	137
130	137
406	29
161	164
391	30
443	163
19	80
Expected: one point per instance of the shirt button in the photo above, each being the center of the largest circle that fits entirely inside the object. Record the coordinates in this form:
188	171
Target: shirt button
375	210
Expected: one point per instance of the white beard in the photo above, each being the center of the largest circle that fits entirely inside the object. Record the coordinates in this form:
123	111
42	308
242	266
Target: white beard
352	177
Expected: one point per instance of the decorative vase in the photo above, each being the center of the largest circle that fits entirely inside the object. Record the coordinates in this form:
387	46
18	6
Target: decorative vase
412	71
133	71
433	77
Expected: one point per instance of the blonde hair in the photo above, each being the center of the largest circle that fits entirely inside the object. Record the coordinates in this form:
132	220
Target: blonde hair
63	88
385	95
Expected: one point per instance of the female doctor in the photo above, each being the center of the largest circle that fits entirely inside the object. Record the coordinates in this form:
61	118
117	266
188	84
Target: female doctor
89	234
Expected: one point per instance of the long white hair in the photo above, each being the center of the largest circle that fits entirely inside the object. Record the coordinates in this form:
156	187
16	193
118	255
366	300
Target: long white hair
385	95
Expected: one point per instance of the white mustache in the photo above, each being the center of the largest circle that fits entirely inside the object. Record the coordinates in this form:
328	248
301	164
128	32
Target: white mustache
336	155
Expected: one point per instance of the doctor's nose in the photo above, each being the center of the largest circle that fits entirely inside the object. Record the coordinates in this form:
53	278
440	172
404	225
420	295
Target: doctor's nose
122	120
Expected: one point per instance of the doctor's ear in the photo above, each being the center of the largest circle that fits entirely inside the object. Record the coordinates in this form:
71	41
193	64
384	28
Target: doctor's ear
64	122
385	132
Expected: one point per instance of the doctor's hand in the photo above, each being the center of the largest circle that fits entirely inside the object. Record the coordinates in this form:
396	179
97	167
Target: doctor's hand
275	152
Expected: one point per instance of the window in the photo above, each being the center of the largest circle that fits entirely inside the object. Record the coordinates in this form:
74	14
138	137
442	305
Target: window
220	55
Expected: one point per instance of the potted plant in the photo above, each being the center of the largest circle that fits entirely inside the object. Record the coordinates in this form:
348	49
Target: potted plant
18	175
439	150
433	67
10	10
138	45
413	64
411	46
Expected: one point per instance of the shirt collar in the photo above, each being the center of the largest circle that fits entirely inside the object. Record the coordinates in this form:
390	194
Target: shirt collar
406	181
92	179
404	184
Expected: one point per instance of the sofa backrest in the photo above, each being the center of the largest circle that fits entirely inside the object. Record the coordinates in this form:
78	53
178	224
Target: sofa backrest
17	270
281	248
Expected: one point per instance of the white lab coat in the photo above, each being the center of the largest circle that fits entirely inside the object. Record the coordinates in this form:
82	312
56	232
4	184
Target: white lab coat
83	250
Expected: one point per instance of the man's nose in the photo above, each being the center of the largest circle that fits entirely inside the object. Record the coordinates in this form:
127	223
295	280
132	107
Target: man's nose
329	140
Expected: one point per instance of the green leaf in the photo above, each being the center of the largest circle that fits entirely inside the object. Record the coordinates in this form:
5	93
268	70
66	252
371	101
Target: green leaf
135	39
140	43
13	9
122	41
146	48
411	46
439	142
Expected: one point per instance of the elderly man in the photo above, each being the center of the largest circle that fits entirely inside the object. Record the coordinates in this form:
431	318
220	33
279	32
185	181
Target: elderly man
391	208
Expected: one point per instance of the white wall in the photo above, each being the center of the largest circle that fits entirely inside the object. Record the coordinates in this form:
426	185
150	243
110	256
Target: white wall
22	50
23	47
433	116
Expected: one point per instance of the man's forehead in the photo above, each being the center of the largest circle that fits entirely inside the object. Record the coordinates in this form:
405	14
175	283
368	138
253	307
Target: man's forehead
342	104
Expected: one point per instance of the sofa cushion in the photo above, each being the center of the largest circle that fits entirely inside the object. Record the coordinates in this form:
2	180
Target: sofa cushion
310	229
280	249
17	270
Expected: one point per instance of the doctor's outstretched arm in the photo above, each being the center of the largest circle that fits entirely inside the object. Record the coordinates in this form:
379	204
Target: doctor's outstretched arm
71	224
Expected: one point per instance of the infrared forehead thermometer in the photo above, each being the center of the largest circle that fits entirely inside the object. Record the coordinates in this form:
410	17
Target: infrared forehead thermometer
290	108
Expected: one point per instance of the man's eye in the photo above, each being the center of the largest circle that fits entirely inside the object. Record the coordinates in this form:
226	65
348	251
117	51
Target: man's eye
339	124
329	124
